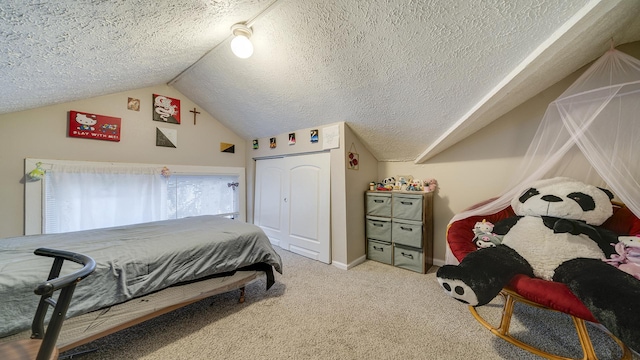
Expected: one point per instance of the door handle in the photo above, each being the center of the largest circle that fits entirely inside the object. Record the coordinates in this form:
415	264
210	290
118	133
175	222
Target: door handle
285	199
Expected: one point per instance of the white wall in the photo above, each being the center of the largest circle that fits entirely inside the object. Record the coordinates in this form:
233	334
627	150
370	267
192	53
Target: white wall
473	170
42	133
479	167
356	183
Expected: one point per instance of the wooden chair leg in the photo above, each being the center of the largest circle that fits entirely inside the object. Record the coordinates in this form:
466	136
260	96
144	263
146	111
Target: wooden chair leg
502	330
585	340
242	292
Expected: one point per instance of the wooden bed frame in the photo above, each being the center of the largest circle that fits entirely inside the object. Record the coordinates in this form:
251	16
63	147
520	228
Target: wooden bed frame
91	326
129	286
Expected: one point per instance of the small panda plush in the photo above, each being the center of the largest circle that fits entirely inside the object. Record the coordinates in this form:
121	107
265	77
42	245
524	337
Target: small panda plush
555	235
389	181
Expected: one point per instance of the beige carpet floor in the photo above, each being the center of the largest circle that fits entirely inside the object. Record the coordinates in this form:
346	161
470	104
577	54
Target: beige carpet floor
316	311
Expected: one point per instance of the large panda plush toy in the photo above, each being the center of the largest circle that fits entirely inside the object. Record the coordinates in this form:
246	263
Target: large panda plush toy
555	235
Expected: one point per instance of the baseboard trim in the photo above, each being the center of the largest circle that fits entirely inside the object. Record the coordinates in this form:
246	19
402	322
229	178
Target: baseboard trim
363	258
343	266
438	262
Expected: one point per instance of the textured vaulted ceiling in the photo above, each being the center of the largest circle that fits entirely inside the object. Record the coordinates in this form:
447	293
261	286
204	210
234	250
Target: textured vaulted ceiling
410	77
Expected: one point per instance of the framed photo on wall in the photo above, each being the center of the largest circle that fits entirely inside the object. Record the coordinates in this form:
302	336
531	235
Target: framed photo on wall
133	104
227	148
93	126
166	109
167	137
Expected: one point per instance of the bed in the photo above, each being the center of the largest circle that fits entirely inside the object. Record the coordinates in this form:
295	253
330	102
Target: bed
162	265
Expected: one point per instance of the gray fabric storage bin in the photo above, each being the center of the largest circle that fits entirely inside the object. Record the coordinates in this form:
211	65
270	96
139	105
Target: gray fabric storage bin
378	228
407	233
380	251
407	258
407	206
379	204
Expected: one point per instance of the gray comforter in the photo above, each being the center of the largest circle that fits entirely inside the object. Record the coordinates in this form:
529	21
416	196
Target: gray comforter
131	261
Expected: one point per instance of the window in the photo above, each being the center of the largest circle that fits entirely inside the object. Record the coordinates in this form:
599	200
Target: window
192	195
84	195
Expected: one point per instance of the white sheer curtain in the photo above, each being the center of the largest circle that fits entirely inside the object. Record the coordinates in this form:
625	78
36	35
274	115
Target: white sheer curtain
591	133
193	195
95	196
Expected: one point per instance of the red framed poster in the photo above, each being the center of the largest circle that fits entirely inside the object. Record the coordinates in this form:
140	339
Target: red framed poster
92	126
166	109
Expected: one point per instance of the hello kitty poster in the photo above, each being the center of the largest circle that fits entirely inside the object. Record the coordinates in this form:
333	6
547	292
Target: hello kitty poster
92	126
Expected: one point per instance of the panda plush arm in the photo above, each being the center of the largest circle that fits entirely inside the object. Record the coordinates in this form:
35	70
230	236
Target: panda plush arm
558	225
503	226
603	237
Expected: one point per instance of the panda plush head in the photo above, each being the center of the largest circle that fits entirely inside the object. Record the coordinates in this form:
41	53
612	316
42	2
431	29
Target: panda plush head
565	198
389	181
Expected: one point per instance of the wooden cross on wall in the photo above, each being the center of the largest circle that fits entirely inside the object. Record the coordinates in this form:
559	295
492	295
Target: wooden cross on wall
195	113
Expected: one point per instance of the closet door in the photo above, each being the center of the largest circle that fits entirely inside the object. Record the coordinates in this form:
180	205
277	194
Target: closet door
292	203
269	192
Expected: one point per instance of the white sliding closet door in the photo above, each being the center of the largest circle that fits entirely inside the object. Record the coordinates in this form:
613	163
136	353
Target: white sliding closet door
292	203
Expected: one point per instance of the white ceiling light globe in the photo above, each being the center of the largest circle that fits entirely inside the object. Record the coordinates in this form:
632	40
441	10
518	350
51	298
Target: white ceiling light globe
242	46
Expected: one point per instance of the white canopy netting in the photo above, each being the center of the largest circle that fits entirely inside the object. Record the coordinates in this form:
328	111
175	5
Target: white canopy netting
590	133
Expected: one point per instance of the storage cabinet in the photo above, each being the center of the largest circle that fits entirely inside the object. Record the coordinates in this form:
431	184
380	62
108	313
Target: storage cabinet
399	229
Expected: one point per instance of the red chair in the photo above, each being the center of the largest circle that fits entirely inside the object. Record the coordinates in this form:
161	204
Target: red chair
537	292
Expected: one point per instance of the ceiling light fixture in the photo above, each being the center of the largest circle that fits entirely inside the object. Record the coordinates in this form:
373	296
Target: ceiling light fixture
246	24
240	44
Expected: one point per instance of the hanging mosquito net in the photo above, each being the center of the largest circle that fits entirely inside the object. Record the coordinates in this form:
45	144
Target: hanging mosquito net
591	133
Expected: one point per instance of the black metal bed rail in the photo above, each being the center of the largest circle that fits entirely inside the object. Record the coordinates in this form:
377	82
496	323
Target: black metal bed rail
66	284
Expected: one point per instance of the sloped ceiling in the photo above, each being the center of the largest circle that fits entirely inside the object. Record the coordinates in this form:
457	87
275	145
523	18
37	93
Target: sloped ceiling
409	77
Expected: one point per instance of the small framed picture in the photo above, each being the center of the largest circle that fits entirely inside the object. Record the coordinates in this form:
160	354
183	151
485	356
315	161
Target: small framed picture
353	161
292	138
166	109
166	137
314	136
255	144
227	148
93	126
133	104
272	143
